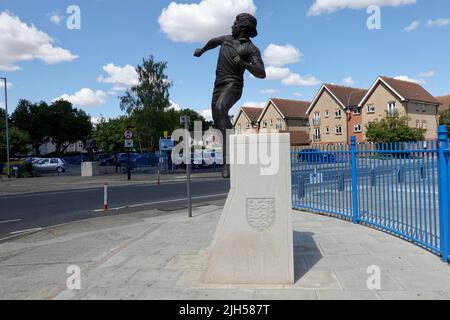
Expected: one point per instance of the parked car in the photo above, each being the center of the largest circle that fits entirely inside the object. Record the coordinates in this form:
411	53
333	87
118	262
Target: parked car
316	156
50	165
146	159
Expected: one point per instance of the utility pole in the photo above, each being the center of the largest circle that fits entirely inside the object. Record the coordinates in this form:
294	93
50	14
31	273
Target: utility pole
7	128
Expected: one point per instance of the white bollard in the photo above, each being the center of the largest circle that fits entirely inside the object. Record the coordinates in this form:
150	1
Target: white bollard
105	197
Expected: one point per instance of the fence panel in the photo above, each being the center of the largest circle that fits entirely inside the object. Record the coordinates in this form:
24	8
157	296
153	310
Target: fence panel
393	187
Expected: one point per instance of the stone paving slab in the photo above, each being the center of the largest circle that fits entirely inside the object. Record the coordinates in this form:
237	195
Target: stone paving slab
163	257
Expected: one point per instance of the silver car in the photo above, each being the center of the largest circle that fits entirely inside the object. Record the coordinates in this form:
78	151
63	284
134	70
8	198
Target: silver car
50	165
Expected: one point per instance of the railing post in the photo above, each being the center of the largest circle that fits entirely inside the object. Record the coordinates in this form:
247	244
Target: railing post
354	180
443	193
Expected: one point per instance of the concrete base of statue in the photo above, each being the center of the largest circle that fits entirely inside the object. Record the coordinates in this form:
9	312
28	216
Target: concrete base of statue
254	240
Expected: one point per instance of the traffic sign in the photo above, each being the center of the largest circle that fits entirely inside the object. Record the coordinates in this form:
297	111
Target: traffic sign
129	143
128	134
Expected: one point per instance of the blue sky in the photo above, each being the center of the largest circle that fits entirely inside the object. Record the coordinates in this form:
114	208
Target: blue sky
305	42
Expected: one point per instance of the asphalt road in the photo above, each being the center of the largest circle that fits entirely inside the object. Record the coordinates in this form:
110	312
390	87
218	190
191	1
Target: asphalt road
20	214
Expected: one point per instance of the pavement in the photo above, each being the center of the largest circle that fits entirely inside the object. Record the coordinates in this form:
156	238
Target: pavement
160	255
68	182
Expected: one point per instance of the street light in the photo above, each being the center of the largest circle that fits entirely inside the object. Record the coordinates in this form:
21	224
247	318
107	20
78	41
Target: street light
7	127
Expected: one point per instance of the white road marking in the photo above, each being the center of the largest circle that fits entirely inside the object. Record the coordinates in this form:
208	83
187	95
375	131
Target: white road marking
10	221
166	201
26	231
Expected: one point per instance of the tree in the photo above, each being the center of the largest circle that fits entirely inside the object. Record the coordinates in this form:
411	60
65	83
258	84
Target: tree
18	140
148	101
444	118
67	125
393	128
33	119
108	135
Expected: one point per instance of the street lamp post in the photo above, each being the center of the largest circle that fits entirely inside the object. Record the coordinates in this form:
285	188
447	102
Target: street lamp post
7	128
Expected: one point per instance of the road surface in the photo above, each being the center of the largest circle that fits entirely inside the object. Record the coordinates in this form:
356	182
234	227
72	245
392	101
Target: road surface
20	214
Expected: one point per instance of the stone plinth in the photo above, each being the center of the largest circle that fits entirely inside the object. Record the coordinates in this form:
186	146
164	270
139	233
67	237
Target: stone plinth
254	240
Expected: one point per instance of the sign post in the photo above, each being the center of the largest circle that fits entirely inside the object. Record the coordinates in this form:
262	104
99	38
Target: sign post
129	144
187	149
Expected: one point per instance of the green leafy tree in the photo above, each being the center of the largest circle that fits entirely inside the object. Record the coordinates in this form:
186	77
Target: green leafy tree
444	118
108	135
393	128
18	140
33	118
148	102
67	125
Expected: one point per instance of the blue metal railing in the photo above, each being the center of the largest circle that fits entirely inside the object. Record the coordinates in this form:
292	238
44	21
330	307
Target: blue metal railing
399	188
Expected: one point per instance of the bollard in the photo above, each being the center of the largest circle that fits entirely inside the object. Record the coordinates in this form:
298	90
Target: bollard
159	177
105	197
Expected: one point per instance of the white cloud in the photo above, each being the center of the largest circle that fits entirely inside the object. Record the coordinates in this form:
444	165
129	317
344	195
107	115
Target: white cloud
8	84
275	73
438	23
95	121
56	19
297	94
269	92
279	56
86	98
427	74
2	105
329	6
207	114
260	104
406	78
200	22
120	77
175	106
20	42
348	81
413	26
295	79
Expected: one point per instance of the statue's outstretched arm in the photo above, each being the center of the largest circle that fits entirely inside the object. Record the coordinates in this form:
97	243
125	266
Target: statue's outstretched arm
212	44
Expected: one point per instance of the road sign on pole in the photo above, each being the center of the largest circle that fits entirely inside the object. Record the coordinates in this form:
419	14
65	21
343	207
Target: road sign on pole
129	143
185	121
128	134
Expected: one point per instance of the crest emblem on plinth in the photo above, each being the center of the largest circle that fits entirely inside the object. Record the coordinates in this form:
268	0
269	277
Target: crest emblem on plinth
261	213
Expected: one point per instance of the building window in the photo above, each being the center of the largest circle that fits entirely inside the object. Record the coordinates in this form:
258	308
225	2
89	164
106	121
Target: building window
271	122
339	113
357	112
370	108
424	108
327	114
316	119
418	124
339	130
264	123
279	124
327	130
424	125
248	125
357	128
392	107
317	134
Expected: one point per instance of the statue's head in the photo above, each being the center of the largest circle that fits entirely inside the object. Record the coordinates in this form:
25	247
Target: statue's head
246	24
